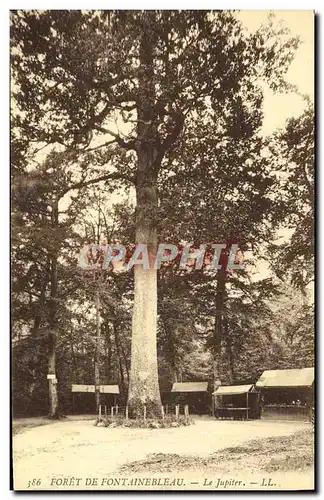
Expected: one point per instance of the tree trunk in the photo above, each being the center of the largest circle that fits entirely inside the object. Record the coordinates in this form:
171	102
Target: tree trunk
125	361
42	299
229	353
218	328
75	372
174	374
174	362
52	381
97	353
119	355
144	385
175	370
108	352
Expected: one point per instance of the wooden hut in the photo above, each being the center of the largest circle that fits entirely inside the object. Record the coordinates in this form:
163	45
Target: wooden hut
86	402
238	402
193	394
287	394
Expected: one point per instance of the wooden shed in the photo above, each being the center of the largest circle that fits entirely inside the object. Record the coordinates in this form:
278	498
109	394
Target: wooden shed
86	402
193	394
238	402
287	394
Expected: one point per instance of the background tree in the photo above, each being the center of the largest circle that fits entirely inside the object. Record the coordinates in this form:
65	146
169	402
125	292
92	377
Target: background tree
294	150
39	236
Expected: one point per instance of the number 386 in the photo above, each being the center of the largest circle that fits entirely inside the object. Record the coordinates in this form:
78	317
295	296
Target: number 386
34	482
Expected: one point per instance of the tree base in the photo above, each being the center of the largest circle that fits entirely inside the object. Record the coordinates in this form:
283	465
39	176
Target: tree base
57	416
139	423
151	409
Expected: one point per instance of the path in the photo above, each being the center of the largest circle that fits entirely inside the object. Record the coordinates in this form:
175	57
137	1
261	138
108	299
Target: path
78	448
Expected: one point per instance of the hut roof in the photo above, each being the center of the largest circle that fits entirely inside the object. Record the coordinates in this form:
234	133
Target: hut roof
189	387
232	389
104	389
303	377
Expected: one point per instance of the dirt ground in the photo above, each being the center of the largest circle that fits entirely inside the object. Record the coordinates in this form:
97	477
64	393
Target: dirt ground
21	424
74	454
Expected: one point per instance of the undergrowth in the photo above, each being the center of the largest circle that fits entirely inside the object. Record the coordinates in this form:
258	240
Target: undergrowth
149	423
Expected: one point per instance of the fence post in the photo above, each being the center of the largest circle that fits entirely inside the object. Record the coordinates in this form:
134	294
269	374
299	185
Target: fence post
112	411
106	410
144	412
162	412
186	411
166	409
116	409
126	413
177	412
99	412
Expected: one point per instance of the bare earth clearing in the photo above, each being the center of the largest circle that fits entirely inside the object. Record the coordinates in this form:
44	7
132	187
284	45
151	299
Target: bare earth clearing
202	456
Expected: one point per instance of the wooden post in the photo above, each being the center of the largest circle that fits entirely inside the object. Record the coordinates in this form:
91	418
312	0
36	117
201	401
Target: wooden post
162	412
106	410
112	411
126	413
177	412
186	411
144	412
166	409
116	409
99	412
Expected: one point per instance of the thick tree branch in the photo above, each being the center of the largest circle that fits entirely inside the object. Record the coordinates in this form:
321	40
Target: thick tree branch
126	145
172	136
106	177
95	148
